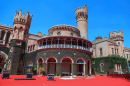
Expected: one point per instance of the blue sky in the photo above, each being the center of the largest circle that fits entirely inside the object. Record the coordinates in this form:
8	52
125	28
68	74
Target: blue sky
104	16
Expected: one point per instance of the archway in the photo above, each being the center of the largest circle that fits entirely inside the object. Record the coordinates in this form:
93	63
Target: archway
39	64
51	65
1	64
80	67
66	66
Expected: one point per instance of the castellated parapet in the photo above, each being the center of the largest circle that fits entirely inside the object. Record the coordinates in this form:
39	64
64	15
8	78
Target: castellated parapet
22	19
81	15
21	25
116	35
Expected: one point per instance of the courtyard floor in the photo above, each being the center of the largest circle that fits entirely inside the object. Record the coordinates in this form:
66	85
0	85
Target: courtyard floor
79	81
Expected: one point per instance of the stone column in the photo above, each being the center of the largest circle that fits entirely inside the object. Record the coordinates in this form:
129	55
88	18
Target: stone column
44	66
77	44
4	37
58	69
86	69
74	69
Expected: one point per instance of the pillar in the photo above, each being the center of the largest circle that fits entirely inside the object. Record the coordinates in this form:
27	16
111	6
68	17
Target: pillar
4	37
44	66
58	69
74	69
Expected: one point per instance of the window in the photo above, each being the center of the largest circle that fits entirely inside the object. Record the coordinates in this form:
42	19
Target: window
71	34
118	43
33	47
115	51
51	33
28	48
127	56
100	51
59	33
102	67
117	67
112	51
18	43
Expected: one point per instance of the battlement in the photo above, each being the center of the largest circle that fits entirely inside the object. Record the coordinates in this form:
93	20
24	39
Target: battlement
81	12
22	18
115	34
81	8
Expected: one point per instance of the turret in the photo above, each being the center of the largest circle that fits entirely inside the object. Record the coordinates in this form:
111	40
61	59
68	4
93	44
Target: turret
81	15
116	36
21	25
18	42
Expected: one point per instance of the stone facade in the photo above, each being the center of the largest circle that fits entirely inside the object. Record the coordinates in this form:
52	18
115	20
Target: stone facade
112	46
65	49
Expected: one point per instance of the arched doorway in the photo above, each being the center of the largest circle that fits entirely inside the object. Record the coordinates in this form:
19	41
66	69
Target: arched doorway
1	64
39	64
80	67
51	66
66	67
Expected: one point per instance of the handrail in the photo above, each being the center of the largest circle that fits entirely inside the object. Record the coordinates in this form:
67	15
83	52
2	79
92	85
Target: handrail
63	46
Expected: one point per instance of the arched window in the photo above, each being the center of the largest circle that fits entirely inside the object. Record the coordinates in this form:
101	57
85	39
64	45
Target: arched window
2	35
7	37
101	51
59	33
102	67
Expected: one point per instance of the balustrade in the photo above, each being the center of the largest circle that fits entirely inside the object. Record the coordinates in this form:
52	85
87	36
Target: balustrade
63	46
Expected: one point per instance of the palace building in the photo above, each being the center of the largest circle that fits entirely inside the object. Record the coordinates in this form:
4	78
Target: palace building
64	50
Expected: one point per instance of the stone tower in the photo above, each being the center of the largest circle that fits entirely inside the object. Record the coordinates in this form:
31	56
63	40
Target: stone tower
21	25
81	15
118	38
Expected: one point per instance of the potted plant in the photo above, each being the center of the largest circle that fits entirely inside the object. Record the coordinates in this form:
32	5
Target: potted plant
34	69
41	70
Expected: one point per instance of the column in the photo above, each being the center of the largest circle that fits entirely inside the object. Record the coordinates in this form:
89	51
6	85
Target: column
74	69
46	43
71	43
51	43
10	37
44	66
82	44
0	33
4	37
86	46
58	69
58	43
77	44
64	43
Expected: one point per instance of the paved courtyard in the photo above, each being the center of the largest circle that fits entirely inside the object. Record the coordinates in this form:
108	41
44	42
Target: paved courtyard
42	81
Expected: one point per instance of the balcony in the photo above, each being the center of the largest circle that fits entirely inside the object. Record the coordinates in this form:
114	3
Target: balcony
63	46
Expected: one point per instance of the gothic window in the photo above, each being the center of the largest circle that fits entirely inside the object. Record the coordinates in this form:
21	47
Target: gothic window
117	67
127	56
7	37
112	51
2	35
102	67
33	47
59	33
101	51
28	48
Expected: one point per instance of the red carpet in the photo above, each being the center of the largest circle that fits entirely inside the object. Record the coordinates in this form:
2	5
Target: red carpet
42	81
